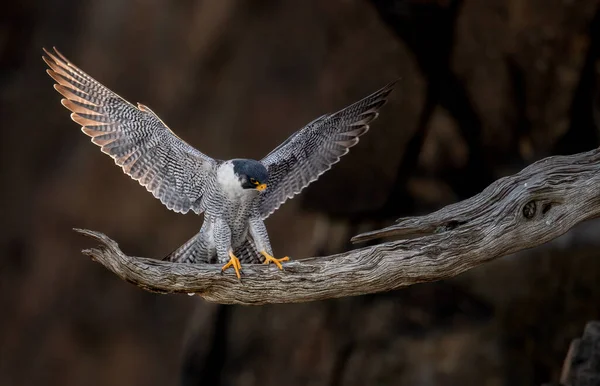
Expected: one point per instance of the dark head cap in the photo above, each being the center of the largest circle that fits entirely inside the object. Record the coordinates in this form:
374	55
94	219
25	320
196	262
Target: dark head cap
252	174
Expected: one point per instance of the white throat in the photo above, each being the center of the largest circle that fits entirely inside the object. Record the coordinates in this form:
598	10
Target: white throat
230	183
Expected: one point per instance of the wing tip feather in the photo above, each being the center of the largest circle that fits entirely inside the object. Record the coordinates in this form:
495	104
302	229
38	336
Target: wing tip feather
83	121
77	108
90	132
61	56
382	94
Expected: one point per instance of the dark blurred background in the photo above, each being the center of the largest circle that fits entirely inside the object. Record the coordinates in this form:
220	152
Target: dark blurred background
486	88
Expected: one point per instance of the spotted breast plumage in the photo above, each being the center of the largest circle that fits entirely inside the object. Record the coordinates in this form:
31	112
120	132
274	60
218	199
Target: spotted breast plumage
237	195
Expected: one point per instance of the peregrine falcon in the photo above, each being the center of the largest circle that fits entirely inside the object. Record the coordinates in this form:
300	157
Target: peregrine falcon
236	196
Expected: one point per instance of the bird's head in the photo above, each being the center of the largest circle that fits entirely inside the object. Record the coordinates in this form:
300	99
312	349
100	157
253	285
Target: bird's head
252	174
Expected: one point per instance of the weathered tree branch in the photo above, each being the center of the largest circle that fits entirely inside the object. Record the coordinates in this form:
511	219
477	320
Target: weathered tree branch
538	204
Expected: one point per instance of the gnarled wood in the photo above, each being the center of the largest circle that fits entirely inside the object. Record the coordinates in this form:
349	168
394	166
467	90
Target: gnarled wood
532	207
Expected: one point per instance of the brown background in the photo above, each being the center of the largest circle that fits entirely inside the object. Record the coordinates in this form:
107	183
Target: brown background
486	88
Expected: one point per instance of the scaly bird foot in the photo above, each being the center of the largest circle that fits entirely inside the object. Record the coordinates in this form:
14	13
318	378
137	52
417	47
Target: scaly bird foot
235	263
270	259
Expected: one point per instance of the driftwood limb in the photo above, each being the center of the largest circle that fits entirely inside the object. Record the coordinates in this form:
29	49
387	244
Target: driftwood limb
532	207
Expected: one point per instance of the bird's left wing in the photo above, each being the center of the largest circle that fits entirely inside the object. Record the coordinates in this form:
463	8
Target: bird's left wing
312	150
136	138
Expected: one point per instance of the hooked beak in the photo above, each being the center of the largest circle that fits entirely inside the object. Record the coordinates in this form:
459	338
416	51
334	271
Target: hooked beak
261	187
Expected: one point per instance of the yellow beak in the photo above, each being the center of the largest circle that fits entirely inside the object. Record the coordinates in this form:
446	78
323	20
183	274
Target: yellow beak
261	187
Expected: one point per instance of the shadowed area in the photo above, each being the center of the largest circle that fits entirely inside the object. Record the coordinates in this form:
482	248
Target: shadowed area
486	88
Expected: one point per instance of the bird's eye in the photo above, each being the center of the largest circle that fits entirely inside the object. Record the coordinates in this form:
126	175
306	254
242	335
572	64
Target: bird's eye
253	181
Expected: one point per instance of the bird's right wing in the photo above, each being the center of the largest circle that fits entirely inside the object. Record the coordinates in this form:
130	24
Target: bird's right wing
135	137
312	150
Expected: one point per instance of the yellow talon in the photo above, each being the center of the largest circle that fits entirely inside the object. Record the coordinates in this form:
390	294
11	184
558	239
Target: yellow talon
235	263
270	259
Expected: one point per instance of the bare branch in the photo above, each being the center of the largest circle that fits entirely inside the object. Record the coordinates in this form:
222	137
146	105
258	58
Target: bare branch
527	209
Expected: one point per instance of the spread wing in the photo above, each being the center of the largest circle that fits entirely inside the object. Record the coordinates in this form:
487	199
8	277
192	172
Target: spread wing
139	142
312	150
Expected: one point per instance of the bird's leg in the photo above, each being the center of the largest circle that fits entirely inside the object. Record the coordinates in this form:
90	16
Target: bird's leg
270	259
258	231
233	262
222	236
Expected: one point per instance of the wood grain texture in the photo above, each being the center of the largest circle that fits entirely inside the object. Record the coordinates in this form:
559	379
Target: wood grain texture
532	207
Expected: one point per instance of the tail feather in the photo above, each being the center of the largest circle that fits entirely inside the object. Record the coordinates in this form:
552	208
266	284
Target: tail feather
247	253
193	251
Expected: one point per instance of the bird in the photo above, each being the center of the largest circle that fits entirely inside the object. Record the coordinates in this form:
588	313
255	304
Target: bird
235	195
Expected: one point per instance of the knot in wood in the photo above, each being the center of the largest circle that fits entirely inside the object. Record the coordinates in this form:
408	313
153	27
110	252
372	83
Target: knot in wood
529	210
450	225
